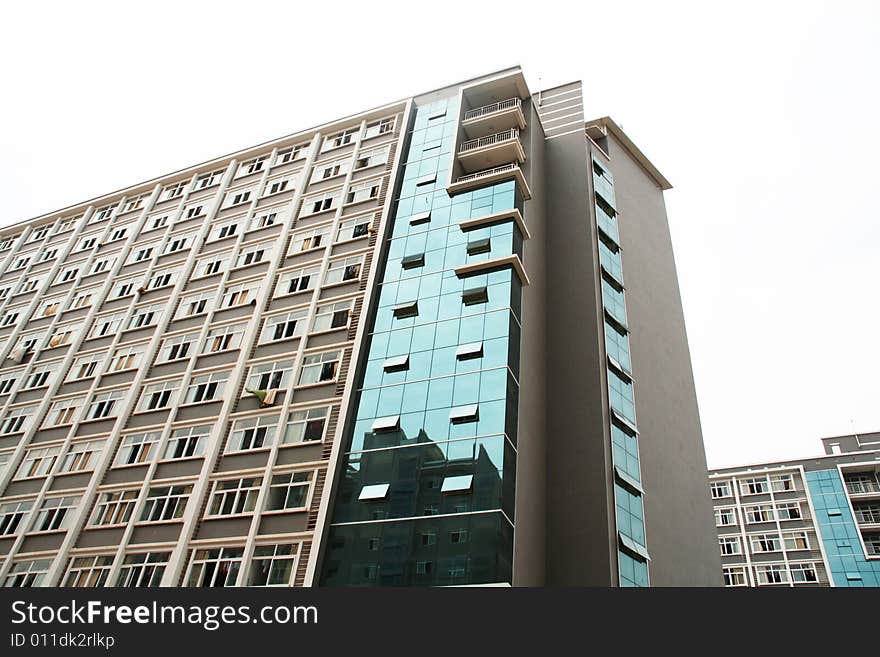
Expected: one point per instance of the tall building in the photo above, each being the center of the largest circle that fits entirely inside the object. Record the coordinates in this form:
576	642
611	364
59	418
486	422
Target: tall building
394	349
806	522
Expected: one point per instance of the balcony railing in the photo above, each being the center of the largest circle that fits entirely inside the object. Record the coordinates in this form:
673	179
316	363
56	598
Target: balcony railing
500	106
487	172
491	140
862	487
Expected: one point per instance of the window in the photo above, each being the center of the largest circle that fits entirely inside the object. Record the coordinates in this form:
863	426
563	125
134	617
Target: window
82	456
772	574
176	348
803	572
234	496
734	576
320	203
160	395
237	198
475	296
88	571
27	574
178	243
106	325
7	382
289	491
413	261
237	295
224	338
273	565
163	278
82	298
7	243
270	376
187	442
101	265
48	254
859	483
209	179
126	357
17	419
118	234
319	368
760	513
457	484
55	514
142	253
214	568
396	363
782	483
87	243
252	433
724	517
224	230
9	318
174	190
211	265
39	376
103	404
252	166
278	185
27	343
67	275
332	316
63	412
372	157
754	486
327	170
39	233
307	240
765	543
28	285
206	387
382	127
193	211
374	492
62	336
462	414
11	516
730	545
263	220
340	271
281	327
84	366
165	503
142	570
354	228
145	316
124	288
38	462
297	281
114	508
306	425
363	191
796	541
20	263
195	304
342	139
155	223
290	154
789	511
133	203
251	255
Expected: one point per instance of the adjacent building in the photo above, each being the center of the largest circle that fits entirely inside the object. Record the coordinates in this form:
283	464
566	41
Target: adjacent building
807	522
438	343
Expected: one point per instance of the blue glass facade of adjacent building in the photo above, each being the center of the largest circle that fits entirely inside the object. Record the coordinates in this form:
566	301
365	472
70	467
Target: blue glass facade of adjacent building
632	553
426	492
838	531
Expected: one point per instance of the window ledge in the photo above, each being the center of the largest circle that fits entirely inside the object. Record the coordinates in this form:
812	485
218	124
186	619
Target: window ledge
488	266
496	218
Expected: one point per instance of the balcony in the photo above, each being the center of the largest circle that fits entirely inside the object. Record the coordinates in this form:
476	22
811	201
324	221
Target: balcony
495	117
491	176
491	151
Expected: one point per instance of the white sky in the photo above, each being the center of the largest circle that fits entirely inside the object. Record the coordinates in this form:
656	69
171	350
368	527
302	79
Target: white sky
763	115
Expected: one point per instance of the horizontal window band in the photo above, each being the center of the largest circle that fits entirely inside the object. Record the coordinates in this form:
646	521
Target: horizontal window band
416	518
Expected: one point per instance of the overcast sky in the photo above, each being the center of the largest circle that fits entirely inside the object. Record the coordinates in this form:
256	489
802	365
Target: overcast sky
763	115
